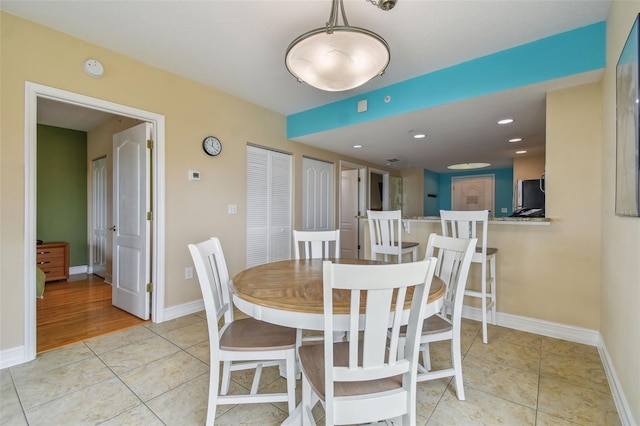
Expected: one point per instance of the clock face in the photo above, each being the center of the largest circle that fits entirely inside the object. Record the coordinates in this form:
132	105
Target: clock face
212	145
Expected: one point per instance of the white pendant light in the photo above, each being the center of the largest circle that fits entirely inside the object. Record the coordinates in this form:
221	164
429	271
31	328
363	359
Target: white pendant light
338	57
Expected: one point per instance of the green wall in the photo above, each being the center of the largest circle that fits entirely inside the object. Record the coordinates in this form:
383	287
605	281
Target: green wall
62	190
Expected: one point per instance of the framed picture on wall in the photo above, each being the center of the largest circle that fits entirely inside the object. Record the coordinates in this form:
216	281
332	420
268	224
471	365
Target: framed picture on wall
628	127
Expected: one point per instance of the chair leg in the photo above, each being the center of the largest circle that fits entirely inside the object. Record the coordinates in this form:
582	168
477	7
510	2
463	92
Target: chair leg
226	377
483	302
214	376
426	356
307	396
456	361
492	275
291	380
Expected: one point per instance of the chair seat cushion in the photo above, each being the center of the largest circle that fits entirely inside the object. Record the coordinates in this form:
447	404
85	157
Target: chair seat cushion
431	325
490	250
312	364
250	334
409	244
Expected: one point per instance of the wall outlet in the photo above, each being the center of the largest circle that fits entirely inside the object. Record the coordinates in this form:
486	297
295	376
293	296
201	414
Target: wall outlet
232	209
188	273
503	210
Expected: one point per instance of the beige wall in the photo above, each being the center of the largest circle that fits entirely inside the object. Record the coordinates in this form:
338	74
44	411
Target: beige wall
552	272
194	210
413	192
531	167
620	291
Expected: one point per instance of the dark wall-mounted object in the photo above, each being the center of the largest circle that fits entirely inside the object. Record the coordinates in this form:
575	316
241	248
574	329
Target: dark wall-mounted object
628	127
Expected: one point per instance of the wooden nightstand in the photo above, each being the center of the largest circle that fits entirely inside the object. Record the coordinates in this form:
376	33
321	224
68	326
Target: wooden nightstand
53	259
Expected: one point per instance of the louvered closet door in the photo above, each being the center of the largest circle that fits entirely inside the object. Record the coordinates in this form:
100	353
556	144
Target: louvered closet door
269	176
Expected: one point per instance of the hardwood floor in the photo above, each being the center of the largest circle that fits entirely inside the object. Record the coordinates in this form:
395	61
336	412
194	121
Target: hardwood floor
78	309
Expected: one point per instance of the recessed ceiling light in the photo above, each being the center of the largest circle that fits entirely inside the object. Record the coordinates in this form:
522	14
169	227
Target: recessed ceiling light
419	136
357	146
515	140
468	166
521	152
505	121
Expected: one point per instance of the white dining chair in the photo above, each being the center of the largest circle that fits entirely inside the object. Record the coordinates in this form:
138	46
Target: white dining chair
454	260
239	344
366	380
385	236
316	244
474	224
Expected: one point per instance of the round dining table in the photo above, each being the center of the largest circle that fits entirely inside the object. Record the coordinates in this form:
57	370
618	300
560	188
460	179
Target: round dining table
289	293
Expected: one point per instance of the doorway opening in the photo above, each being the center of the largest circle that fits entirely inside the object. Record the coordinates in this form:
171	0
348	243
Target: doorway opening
33	93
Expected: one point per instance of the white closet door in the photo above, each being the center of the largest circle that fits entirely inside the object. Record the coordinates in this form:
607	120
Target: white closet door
269	176
317	195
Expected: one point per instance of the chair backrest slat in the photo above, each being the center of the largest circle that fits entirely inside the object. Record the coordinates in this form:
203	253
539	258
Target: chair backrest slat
385	232
383	290
316	244
466	224
454	259
213	276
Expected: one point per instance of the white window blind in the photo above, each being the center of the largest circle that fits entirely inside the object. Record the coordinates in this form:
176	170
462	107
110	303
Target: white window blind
269	176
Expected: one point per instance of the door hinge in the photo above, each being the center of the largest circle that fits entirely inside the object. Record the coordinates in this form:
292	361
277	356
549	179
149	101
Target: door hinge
149	215
150	143
149	287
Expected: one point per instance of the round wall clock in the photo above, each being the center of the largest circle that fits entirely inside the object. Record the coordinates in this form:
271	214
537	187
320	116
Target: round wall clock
212	145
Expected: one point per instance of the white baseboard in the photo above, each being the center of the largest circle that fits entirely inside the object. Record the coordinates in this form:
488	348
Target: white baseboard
184	309
13	356
537	326
75	270
624	411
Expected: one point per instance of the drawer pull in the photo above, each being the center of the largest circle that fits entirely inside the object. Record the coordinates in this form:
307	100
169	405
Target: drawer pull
43	262
44	252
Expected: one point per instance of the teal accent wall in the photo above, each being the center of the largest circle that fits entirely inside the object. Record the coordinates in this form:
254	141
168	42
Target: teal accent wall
572	52
62	190
431	187
503	190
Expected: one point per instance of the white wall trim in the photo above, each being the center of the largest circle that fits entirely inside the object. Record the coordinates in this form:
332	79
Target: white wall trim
13	356
184	309
541	327
33	91
619	398
80	269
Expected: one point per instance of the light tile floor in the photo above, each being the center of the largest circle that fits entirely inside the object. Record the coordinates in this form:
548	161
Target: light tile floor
157	374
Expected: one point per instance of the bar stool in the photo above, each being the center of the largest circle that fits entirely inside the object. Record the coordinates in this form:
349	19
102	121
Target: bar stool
385	232
463	224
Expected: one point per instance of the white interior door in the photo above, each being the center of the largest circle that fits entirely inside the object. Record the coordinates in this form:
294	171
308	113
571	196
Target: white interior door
472	193
131	202
349	197
99	244
317	195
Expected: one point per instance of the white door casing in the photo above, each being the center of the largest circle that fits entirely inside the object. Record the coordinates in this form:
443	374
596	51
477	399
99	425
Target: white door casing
317	195
131	202
33	92
99	222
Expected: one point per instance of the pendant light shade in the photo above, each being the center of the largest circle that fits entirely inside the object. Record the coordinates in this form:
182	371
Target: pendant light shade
337	58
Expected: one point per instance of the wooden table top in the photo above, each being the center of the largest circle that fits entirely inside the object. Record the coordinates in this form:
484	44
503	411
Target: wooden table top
296	285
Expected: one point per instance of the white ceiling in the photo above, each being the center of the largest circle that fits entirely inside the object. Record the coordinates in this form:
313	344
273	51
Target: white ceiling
238	47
